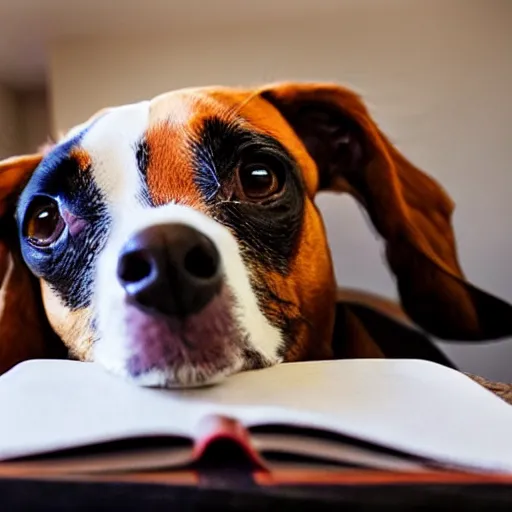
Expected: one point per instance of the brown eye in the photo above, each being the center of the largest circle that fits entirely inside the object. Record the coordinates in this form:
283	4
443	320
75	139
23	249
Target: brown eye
259	181
44	223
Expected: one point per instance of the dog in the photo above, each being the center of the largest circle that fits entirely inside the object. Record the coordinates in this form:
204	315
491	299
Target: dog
176	241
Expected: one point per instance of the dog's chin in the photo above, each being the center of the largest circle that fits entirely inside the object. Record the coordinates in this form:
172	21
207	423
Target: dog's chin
197	351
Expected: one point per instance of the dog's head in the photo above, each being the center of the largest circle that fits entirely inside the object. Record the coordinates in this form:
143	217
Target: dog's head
177	241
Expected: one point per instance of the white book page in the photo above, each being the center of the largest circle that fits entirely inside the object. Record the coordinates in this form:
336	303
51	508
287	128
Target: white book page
325	450
146	459
415	406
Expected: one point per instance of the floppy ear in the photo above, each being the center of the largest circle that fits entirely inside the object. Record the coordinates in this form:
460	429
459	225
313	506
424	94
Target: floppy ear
409	209
14	174
24	330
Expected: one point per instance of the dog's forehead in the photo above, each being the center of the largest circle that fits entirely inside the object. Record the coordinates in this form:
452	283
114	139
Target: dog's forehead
189	107
169	121
192	106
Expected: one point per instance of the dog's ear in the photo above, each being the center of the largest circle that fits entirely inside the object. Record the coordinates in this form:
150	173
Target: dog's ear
14	174
24	330
409	209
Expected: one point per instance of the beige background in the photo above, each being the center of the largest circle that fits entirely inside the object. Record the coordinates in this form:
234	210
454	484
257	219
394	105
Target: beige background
24	120
437	76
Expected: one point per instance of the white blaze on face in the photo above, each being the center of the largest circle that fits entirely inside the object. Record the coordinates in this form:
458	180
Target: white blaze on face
112	143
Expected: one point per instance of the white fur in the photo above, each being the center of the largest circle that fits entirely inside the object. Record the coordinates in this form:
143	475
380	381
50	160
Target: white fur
111	142
175	378
110	350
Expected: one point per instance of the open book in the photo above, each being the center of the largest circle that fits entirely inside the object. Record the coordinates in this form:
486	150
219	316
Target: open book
384	414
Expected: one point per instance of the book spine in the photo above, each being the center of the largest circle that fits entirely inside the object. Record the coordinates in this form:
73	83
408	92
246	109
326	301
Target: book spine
223	441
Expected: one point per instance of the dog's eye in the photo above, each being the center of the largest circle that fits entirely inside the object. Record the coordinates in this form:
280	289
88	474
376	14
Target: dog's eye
44	224
258	181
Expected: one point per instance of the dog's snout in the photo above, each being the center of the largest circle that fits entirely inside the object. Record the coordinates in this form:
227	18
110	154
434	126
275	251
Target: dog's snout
171	269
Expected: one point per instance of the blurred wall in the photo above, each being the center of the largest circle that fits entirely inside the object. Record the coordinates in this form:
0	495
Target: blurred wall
34	116
437	76
10	126
24	121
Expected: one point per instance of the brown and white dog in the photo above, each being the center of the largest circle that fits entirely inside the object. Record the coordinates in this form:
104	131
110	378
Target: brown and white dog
176	241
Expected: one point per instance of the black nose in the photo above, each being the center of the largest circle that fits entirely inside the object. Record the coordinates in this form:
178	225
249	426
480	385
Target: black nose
171	269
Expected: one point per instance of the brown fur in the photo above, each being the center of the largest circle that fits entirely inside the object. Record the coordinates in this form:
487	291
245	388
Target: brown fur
169	173
81	158
308	291
409	210
24	330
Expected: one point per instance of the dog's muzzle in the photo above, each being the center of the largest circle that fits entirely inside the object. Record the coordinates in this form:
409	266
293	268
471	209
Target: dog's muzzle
175	303
171	270
177	318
